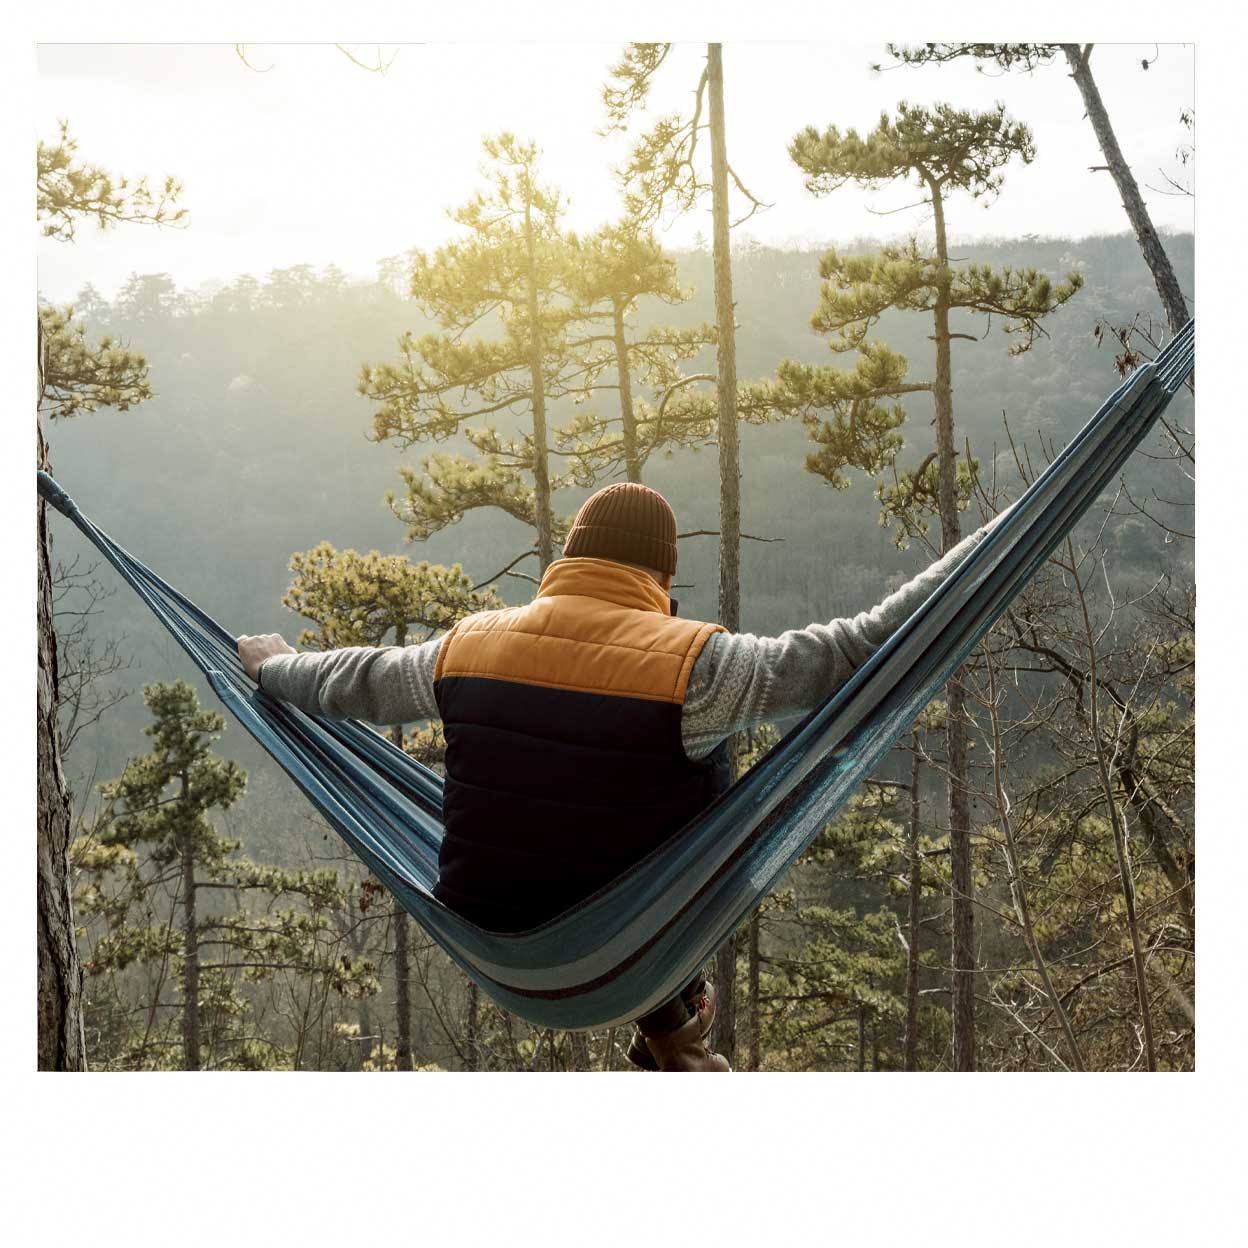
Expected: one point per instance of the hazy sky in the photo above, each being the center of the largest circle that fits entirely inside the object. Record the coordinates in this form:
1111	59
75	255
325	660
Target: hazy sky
316	161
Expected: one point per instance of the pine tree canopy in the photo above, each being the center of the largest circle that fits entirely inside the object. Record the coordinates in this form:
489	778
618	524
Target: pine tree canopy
941	146
858	290
861	431
182	739
67	189
360	600
450	486
80	376
1028	56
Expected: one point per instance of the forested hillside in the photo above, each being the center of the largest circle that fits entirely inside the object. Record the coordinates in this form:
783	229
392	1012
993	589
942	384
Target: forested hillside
255	447
255	443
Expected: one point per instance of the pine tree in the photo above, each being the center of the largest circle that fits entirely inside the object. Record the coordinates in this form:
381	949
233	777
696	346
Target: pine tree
155	847
615	268
945	150
1031	56
510	273
75	377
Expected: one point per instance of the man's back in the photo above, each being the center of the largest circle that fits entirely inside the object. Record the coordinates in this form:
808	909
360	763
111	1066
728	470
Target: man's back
564	759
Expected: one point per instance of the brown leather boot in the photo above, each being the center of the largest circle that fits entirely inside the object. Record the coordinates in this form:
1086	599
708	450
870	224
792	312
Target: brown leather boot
685	1049
638	1052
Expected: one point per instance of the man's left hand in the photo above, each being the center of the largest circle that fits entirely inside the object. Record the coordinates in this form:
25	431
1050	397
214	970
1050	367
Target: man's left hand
254	650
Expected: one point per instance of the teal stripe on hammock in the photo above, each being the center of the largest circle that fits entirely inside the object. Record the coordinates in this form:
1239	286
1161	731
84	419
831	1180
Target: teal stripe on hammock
637	942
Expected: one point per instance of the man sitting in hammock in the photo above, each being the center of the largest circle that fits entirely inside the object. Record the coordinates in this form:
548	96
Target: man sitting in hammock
584	729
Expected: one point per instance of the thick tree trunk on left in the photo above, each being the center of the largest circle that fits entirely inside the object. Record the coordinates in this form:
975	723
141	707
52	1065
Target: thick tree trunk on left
60	1044
724	1039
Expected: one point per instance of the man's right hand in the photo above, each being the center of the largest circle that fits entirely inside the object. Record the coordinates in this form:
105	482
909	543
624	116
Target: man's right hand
254	650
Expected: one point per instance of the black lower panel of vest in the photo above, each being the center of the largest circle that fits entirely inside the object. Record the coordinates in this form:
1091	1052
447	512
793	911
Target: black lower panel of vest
551	793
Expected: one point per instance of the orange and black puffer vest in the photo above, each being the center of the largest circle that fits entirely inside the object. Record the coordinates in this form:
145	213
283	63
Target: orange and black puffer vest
564	762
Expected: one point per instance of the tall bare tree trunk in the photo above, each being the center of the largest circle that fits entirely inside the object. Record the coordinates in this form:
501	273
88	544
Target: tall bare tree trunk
402	941
910	1058
632	454
402	990
472	1059
755	1013
724	1039
1146	235
962	883
1161	828
60	1044
190	955
578	1047
726	357
541	467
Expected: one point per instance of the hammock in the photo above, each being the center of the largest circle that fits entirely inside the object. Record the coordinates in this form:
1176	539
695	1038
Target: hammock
638	941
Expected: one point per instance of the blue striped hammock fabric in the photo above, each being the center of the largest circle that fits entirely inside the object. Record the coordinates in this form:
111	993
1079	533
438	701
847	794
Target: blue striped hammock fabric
639	940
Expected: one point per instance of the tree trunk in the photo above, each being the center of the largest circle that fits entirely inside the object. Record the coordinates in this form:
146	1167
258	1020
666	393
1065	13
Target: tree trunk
190	955
60	1042
1146	235
402	990
472	1058
541	467
724	1029
632	454
756	1039
578	1048
726	358
911	1049
725	1034
402	940
955	722
1123	855
1180	874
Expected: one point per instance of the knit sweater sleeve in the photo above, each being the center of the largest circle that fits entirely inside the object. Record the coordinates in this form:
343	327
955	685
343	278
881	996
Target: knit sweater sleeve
740	681
379	684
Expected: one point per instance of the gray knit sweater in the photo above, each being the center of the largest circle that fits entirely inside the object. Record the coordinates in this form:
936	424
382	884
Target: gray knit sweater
738	681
